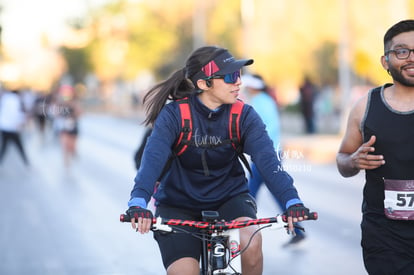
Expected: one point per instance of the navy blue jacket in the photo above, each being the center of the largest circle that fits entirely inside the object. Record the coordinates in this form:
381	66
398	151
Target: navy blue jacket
185	184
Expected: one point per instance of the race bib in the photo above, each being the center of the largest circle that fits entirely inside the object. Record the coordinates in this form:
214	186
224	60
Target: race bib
399	199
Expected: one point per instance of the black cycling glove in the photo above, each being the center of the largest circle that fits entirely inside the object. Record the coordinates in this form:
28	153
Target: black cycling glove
136	212
297	210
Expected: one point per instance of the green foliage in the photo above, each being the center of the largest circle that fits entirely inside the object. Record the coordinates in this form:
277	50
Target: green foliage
285	39
326	64
77	62
132	37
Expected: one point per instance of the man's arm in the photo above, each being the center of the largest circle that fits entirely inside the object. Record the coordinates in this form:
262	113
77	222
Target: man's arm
350	142
353	154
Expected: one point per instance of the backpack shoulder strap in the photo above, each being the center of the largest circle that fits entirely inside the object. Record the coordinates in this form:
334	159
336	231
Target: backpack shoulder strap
234	131
185	133
234	121
186	126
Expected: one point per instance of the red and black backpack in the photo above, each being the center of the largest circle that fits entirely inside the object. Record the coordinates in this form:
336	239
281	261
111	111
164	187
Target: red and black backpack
184	139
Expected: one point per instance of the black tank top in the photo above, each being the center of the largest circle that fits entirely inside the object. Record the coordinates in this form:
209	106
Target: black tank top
394	131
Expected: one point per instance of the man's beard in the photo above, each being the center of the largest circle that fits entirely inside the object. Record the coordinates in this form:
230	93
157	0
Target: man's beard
397	76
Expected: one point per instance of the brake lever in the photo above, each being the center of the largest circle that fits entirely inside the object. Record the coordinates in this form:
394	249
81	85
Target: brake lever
158	226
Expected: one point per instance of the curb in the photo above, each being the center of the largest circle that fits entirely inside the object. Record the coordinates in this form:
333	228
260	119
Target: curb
317	148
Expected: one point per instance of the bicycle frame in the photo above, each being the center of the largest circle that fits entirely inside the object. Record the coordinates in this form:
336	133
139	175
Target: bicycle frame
211	230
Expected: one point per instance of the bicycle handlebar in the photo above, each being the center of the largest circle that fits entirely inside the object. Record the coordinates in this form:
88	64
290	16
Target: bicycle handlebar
216	225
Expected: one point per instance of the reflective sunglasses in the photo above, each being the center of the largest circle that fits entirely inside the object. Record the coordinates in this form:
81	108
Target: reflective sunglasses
229	78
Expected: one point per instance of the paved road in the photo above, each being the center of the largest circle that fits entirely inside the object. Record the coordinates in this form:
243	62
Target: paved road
60	222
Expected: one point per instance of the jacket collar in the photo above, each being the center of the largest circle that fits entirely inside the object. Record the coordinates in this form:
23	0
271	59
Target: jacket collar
203	110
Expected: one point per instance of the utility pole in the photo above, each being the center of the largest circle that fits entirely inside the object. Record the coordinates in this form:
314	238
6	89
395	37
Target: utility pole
1	34
344	65
1	48
247	17
199	23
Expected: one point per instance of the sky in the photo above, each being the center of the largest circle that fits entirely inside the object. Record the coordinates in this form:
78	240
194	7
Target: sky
24	23
24	20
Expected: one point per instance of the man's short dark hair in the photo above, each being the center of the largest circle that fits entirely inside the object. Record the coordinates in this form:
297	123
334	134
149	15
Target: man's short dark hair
400	27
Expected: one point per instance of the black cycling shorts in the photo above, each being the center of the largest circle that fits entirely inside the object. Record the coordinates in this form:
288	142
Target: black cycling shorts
174	246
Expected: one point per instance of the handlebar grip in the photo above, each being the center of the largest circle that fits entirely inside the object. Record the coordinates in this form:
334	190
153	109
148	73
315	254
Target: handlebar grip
124	218
127	218
312	216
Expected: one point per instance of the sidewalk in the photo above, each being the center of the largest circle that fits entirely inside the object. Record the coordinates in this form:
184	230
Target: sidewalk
319	148
316	148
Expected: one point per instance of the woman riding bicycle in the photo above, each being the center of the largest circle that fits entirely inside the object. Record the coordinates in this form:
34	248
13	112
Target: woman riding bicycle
208	175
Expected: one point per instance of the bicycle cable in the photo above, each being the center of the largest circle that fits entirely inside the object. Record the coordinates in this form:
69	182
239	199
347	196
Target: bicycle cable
247	245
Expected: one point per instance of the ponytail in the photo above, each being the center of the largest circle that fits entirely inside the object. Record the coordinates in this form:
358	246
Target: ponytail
175	87
180	84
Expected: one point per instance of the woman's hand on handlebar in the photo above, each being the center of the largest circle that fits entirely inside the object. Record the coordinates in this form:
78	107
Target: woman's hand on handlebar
141	219
296	213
